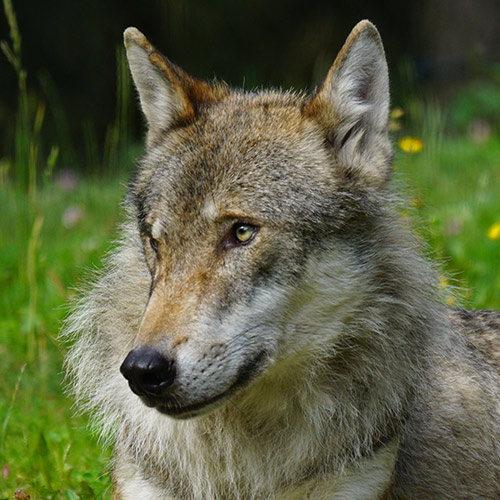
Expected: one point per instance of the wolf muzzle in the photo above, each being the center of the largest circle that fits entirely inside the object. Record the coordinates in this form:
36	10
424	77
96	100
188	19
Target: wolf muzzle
148	372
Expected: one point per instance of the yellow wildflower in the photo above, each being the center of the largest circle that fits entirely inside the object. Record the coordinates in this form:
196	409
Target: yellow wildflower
396	113
411	144
394	123
494	231
450	300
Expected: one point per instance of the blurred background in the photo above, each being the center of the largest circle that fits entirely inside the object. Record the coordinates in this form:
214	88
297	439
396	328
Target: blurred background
69	51
71	135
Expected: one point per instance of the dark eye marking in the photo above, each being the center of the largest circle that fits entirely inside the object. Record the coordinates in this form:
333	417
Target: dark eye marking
154	244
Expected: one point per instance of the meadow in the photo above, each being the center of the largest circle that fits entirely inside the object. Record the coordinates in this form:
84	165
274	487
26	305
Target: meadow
47	246
56	224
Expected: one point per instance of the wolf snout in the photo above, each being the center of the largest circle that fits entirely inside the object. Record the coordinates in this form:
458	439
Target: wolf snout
149	373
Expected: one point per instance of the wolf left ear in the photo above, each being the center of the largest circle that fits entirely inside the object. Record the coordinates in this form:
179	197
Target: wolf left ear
168	95
352	105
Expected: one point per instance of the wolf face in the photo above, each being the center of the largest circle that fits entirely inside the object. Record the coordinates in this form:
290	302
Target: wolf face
235	197
265	284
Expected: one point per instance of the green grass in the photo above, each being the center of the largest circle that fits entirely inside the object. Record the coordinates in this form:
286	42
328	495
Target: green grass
44	449
49	453
455	186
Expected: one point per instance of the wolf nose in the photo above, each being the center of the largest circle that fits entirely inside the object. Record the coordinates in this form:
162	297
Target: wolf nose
148	372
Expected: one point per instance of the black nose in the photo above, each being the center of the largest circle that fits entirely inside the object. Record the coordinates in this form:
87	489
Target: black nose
148	372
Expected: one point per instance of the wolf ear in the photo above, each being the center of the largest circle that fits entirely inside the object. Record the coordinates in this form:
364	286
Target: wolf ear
352	105
168	95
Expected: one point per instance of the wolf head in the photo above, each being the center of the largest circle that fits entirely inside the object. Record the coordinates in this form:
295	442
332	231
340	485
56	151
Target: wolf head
239	198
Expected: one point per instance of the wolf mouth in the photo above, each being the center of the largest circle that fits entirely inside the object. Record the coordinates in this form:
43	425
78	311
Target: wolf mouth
247	373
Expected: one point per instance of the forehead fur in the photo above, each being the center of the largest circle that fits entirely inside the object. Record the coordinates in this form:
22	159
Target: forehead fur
242	153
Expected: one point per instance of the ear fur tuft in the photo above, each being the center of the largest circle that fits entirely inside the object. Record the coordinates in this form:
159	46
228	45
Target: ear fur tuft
168	95
133	35
352	105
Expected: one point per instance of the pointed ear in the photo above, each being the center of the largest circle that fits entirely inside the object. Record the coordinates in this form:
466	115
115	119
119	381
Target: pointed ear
352	105
168	95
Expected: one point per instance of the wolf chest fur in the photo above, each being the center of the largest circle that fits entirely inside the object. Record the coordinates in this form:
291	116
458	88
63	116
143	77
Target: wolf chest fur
267	328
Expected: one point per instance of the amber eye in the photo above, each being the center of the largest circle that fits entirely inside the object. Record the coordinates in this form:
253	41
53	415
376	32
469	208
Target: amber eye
154	244
244	233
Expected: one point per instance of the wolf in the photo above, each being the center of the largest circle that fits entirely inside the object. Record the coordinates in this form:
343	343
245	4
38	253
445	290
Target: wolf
268	326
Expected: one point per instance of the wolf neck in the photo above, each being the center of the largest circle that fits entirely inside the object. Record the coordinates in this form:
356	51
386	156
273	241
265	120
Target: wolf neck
278	437
338	399
295	425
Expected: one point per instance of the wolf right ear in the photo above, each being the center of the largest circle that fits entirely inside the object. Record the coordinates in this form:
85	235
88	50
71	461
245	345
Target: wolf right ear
168	95
352	106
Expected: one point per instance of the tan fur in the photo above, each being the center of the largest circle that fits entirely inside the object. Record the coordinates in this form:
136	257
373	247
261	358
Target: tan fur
313	362
189	91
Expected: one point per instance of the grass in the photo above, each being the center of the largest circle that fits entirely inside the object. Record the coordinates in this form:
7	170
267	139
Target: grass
455	190
47	452
44	449
49	232
52	230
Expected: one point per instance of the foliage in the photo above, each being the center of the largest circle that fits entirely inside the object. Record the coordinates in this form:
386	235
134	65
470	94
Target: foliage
454	190
34	149
56	225
477	102
46	451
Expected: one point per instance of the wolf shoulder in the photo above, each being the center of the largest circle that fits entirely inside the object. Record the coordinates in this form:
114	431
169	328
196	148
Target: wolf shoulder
451	446
481	331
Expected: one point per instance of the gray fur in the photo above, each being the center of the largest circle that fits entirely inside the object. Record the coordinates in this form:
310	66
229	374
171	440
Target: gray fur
367	388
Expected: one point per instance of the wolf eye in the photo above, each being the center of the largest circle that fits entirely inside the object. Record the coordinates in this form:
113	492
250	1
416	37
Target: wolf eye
154	244
244	233
240	234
